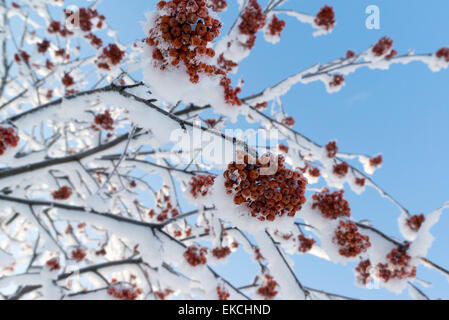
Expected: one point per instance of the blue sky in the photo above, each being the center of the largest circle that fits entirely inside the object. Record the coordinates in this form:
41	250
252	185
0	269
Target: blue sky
402	113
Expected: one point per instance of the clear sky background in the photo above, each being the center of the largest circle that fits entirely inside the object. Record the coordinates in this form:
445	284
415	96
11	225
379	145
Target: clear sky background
402	113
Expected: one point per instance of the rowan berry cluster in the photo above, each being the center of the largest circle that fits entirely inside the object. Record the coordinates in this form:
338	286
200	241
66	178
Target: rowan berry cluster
350	240
195	256
398	267
8	138
78	254
283	148
124	293
443	53
258	255
331	149
288	121
225	64
341	169
217	5
200	185
350	54
111	55
166	208
276	26
363	272
58	27
53	264
360	182
62	194
376	161
252	20
383	46
415	222
221	252
211	122
325	18
332	205
337	80
222	293
104	120
314	172
67	80
269	289
162	295
182	34
22	56
86	18
266	196
261	106
305	244
43	46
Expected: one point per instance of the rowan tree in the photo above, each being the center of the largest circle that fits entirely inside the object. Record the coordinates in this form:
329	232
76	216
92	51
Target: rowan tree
93	192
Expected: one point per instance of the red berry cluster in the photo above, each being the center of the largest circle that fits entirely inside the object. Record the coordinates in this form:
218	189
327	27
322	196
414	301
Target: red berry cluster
53	264
195	256
124	293
222	293
182	35
276	26
58	27
252	20
211	122
164	203
67	80
443	53
22	56
162	295
104	120
393	53
341	169
199	185
288	121
269	289
376	161
78	254
86	15
415	222
363	272
8	138
332	205
332	149
337	80
325	18
217	5
43	46
112	55
314	172
261	106
266	196
305	244
221	252
360	182
350	54
383	46
258	255
225	64
283	148
398	266
62	194
351	242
